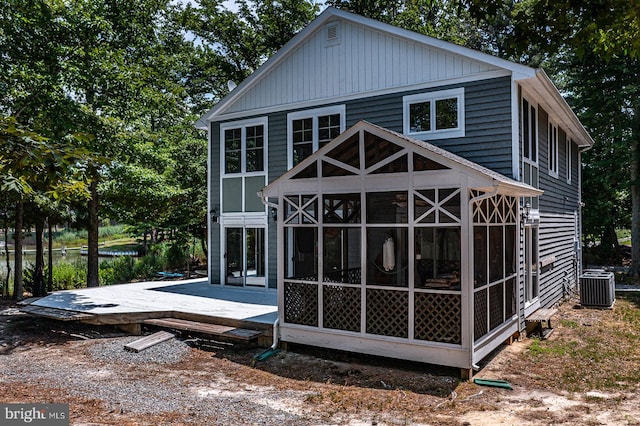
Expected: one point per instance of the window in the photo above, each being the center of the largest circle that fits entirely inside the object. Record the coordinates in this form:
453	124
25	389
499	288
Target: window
529	132
529	138
435	115
553	150
243	145
569	153
310	130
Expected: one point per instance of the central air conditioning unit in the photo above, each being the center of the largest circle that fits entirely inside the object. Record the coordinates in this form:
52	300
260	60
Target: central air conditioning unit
597	288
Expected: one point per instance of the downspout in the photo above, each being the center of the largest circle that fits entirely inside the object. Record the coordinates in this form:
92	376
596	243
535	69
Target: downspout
470	268
276	323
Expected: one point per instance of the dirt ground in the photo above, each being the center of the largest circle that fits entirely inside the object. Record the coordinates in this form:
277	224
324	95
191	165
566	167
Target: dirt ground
586	373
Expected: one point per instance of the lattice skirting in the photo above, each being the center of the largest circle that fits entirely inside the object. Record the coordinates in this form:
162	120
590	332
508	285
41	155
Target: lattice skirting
388	312
496	305
342	307
480	310
438	317
301	303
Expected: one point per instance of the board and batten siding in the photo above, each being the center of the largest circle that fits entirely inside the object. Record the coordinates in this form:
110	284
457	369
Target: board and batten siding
359	60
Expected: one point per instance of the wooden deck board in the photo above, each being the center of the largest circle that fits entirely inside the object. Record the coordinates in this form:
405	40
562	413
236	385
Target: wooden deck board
541	315
58	314
206	328
148	341
194	299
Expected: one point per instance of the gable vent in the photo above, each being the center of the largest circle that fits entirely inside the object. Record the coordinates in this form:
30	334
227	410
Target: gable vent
332	33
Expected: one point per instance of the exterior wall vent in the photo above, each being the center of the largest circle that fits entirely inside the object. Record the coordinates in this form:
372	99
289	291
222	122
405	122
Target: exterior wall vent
597	288
333	34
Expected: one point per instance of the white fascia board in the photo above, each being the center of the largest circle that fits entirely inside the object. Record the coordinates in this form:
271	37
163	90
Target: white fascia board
551	99
519	71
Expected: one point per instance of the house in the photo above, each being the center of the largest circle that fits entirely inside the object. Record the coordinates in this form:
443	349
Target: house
417	199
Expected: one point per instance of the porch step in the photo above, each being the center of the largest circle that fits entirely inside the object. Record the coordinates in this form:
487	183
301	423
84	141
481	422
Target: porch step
148	341
220	331
540	317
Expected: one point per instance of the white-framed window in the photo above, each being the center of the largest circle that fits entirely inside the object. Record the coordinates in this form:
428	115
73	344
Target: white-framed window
243	160
529	128
310	130
243	144
529	138
553	149
569	159
434	115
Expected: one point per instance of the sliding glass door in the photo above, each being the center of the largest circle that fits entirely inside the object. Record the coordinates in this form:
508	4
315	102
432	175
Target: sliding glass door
245	256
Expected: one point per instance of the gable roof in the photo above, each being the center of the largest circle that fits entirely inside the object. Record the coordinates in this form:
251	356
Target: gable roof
472	61
486	179
409	64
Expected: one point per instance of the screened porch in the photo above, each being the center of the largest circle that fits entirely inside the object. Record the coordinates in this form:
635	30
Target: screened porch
391	246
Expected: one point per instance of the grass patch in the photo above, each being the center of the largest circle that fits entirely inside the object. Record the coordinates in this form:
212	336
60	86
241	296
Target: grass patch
601	356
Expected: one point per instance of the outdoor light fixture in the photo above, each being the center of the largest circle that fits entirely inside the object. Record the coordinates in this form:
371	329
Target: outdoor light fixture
526	211
214	215
274	214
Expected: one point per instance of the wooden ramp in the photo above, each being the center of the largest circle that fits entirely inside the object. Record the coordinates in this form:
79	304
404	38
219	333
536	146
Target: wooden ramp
148	341
219	331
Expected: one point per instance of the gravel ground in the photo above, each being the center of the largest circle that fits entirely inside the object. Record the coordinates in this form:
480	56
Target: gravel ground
175	384
141	383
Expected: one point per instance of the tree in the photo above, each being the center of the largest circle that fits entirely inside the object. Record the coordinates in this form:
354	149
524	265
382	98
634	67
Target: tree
34	168
591	50
231	45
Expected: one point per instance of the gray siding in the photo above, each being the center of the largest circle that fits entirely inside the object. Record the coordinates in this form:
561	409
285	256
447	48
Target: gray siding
214	194
487	139
559	197
277	165
557	239
487	142
558	217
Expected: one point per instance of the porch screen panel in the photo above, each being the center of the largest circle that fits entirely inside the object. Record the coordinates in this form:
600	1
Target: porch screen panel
301	258
341	258
494	248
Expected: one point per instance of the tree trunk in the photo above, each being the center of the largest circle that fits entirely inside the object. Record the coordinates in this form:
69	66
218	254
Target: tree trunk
17	248
92	249
635	193
38	274
50	257
205	248
610	245
5	291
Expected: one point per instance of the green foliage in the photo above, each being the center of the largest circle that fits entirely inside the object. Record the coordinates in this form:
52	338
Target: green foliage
69	275
117	271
